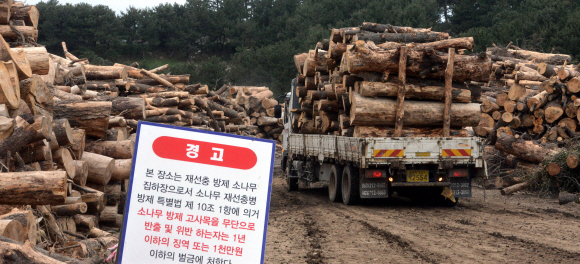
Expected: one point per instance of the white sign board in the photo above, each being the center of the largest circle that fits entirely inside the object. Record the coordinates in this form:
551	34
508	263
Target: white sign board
197	197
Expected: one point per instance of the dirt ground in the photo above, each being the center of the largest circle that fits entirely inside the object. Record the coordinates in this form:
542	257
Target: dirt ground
305	227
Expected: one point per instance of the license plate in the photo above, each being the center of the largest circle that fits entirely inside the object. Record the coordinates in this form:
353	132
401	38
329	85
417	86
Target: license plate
417	176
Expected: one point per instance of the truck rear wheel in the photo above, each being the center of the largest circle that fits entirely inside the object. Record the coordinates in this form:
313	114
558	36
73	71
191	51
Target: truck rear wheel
334	184
350	185
291	182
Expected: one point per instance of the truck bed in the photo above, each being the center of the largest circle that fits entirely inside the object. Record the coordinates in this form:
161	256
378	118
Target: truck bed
382	151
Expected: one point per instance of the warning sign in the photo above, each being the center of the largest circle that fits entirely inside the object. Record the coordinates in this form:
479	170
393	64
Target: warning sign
197	197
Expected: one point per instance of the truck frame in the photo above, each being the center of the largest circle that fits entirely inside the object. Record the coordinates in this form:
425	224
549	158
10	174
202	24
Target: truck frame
440	169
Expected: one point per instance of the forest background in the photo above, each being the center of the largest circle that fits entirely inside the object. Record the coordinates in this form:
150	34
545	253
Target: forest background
252	42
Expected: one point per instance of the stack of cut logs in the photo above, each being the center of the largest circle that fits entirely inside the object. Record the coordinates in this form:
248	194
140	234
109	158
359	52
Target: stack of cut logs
532	99
66	146
259	105
380	80
18	22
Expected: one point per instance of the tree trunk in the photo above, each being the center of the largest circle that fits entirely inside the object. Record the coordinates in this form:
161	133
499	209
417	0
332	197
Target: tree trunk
572	161
28	222
93	72
15	253
100	168
412	91
421	63
379	131
29	14
38	59
63	159
17	57
92	116
70	209
63	132
158	79
516	188
81	172
9	93
122	170
525	150
33	187
371	111
12	229
129	107
402	37
22	134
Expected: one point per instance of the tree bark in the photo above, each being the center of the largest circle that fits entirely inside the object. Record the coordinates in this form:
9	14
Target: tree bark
22	134
525	150
421	63
516	188
402	37
81	172
70	209
12	229
9	93
371	111
28	222
92	116
33	187
100	168
38	59
93	72
122	169
412	91
29	14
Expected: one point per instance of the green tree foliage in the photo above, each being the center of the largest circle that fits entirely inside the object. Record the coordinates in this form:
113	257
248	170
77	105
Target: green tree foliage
252	42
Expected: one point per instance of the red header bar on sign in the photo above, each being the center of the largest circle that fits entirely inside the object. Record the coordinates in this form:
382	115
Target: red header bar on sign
205	153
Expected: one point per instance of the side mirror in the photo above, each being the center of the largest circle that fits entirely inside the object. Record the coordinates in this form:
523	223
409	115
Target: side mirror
277	111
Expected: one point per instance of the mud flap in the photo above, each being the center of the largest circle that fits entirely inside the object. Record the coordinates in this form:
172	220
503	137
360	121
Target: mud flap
448	193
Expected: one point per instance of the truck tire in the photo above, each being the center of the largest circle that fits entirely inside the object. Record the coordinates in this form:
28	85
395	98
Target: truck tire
334	183
291	182
350	185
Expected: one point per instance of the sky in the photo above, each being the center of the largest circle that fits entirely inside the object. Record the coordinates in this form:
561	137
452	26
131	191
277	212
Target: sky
116	5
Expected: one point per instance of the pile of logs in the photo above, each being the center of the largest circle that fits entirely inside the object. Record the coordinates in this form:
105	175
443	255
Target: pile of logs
532	101
259	104
66	140
18	22
380	80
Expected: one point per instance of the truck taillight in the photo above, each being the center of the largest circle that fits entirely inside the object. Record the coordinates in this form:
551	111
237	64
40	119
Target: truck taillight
375	174
455	173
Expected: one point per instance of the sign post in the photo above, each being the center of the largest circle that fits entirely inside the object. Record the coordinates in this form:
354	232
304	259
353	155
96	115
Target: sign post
197	197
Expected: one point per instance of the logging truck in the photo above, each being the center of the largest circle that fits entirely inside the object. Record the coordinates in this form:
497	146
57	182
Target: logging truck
440	169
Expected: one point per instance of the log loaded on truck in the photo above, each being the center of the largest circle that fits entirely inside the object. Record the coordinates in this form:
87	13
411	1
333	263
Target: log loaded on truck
440	169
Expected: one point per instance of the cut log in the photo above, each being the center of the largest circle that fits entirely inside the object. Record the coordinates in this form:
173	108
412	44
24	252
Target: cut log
22	134
78	145
378	131
538	57
92	116
158	79
5	11
81	172
516	188
100	168
93	72
95	232
553	112
553	169
9	93
122	169
70	209
28	222
572	161
38	59
402	37
525	150
364	58
86	221
372	111
412	91
33	187
16	253
62	157
17	57
129	107
63	132
114	149
12	229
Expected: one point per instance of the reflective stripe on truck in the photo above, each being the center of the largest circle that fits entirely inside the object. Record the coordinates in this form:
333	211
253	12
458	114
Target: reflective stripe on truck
384	153
456	152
